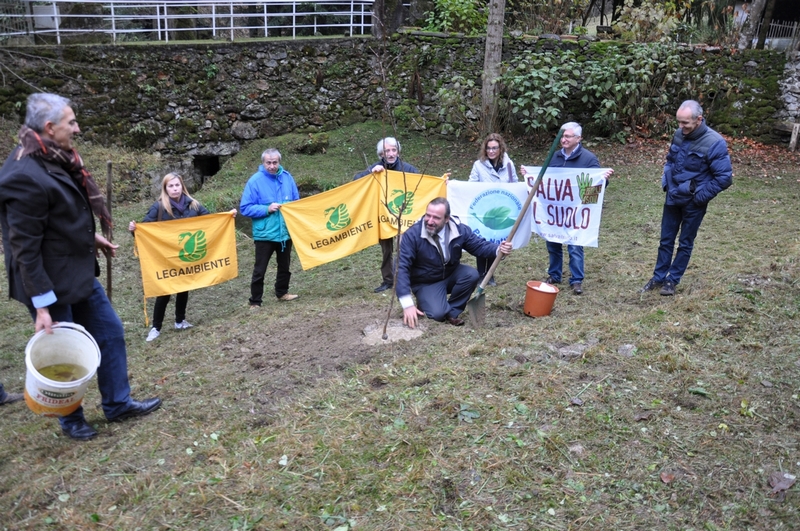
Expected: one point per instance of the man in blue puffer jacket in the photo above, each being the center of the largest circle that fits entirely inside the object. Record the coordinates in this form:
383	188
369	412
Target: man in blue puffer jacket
698	167
430	265
269	188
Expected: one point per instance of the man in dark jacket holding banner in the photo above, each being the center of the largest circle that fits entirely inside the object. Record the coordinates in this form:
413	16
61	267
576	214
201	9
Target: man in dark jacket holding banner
389	152
698	167
430	266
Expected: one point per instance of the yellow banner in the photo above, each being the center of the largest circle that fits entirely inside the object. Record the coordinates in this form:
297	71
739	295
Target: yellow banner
415	189
185	254
334	224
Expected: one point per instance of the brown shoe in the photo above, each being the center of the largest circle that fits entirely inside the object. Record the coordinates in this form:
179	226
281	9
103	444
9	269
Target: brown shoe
455	321
288	297
11	398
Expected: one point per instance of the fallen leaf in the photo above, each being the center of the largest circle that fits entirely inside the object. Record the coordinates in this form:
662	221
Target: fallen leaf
667	477
781	481
698	391
643	415
766	383
575	401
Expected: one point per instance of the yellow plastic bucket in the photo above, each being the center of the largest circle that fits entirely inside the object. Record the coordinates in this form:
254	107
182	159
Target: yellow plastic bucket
69	343
539	298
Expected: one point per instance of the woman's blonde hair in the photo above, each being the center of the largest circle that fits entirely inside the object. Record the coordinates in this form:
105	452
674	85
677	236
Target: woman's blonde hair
193	204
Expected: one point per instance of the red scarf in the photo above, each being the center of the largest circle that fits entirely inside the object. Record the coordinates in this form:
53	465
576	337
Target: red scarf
44	148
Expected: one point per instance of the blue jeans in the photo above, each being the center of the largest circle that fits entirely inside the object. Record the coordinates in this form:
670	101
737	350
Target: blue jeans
556	252
686	220
432	298
98	317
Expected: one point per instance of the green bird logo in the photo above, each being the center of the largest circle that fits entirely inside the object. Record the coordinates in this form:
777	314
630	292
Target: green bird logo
400	198
338	219
194	246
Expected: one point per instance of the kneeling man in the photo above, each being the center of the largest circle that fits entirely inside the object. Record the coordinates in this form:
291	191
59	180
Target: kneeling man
430	265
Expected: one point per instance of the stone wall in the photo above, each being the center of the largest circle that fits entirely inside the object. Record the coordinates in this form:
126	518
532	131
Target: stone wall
789	111
206	99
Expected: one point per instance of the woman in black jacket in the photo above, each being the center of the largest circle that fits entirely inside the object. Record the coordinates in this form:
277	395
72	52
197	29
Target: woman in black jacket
174	203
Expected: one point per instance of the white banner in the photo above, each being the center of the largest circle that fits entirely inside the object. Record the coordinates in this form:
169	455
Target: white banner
568	204
491	209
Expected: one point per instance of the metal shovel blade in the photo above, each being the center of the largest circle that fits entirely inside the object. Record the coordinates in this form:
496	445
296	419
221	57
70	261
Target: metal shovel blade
477	309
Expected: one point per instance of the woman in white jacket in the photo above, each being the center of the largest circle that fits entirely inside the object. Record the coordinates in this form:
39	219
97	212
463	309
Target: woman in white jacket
493	166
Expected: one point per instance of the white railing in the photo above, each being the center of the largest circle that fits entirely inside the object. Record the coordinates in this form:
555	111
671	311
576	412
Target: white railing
137	20
779	34
779	30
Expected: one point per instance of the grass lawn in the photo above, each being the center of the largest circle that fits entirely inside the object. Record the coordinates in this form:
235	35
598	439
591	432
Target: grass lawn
619	411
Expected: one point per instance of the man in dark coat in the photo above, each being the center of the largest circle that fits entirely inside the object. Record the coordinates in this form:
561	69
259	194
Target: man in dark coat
47	202
571	155
698	167
389	152
430	265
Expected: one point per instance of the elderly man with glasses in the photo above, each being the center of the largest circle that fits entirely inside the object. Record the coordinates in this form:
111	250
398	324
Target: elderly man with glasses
571	155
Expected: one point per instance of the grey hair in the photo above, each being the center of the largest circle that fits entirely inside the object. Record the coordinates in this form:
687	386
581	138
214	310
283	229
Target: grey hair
271	151
388	140
44	107
696	108
575	126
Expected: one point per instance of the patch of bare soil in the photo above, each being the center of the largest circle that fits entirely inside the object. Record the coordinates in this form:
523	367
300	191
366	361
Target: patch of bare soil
288	355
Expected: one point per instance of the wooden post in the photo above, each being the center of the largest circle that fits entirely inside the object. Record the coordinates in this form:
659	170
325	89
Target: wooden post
109	288
793	141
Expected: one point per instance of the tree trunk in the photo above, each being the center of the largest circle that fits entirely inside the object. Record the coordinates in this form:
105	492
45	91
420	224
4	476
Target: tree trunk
491	64
762	35
750	25
387	16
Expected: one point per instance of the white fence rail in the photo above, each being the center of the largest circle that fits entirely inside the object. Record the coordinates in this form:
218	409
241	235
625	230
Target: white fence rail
181	20
780	35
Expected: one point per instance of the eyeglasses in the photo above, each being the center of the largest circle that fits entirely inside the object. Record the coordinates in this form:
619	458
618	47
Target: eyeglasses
490	148
569	137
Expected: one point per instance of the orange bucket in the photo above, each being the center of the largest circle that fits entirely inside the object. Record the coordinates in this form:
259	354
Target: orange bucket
539	298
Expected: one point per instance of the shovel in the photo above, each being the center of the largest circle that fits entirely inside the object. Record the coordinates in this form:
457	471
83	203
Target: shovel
477	304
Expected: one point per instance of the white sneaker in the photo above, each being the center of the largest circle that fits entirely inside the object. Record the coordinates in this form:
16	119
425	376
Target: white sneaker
183	325
153	334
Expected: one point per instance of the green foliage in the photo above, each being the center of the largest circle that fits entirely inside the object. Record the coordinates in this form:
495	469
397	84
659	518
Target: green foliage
544	16
465	16
647	20
456	101
539	84
211	71
626	87
621	88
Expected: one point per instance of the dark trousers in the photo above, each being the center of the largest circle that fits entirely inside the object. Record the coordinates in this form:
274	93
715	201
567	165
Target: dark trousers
98	317
675	219
160	308
387	264
432	298
283	254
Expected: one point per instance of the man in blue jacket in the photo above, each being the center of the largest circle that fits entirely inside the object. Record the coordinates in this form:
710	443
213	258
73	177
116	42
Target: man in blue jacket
571	155
698	167
389	153
269	188
430	265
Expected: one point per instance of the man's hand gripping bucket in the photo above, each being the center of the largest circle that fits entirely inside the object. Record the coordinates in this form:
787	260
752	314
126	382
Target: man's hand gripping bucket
69	345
